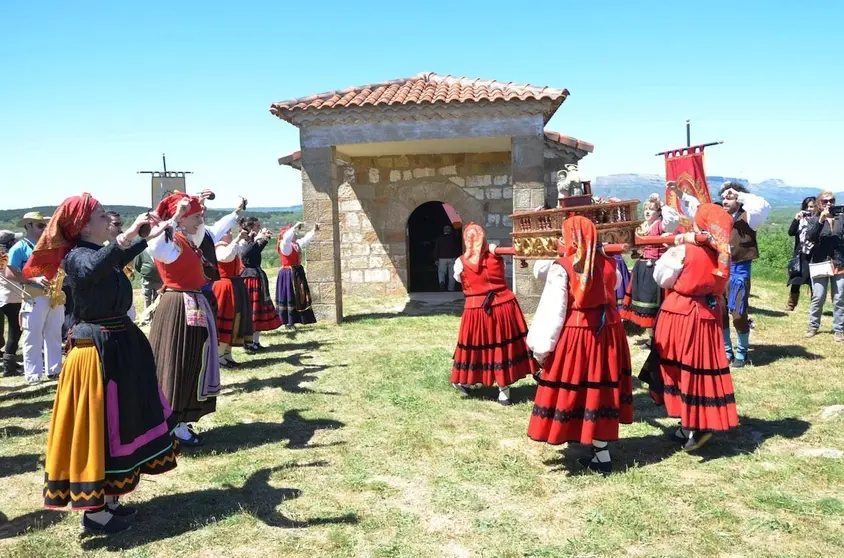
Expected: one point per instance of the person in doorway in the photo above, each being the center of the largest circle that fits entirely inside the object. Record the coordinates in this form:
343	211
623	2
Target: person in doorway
110	424
446	251
41	314
491	348
826	232
798	269
586	387
11	298
748	212
292	295
184	333
688	371
264	314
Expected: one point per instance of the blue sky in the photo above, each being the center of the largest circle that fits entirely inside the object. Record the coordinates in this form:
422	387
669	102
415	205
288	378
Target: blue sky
95	92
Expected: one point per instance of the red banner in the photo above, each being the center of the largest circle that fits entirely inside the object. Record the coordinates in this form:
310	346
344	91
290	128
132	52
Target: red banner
685	167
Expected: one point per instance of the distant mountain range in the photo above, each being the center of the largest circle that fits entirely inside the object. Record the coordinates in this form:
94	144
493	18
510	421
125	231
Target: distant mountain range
640	186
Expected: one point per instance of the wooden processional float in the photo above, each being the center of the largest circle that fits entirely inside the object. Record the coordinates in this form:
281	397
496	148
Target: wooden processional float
536	234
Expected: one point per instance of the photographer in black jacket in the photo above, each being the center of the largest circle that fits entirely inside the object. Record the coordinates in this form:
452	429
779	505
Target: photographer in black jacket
826	231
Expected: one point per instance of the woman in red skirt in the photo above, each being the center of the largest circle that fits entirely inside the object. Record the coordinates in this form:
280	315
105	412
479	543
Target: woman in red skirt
234	309
690	374
491	348
586	387
643	296
264	315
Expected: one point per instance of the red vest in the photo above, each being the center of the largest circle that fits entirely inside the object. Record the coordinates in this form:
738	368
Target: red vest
230	269
490	277
600	297
184	274
294	259
695	282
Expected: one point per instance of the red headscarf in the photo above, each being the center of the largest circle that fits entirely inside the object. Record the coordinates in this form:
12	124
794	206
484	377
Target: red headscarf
715	220
579	244
280	236
60	237
167	207
474	246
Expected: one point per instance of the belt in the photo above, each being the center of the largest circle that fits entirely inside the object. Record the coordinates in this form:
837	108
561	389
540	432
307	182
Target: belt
34	290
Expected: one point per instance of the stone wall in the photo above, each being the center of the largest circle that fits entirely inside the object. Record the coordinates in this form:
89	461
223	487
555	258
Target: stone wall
378	194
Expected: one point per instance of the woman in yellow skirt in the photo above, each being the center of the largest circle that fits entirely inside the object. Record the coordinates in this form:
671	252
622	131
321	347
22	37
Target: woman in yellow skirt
110	421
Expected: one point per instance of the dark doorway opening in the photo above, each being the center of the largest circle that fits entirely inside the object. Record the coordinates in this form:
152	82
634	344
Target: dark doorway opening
424	226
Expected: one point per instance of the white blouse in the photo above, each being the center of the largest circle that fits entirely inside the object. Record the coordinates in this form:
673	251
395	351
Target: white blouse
547	324
668	267
290	236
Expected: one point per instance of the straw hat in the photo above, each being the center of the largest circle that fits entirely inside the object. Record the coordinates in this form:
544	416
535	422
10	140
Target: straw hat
33	217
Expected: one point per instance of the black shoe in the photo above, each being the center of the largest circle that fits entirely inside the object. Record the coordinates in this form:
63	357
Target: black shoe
123	511
193	432
114	525
192	442
53	378
738	363
602	467
462	389
505	402
697	441
537	376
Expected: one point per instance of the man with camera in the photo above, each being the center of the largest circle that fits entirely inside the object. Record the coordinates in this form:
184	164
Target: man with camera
826	231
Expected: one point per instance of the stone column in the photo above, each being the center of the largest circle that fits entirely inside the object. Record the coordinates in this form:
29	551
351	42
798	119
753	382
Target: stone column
320	180
528	173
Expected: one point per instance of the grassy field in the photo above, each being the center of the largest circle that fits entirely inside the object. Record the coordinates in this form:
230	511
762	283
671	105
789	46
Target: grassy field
349	441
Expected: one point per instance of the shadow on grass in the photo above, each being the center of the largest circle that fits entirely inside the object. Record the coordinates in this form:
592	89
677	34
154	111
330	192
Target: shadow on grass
291	383
300	347
761	355
18	432
17	464
33	521
641	451
176	514
297	430
21	393
32	409
260	363
766	312
425	306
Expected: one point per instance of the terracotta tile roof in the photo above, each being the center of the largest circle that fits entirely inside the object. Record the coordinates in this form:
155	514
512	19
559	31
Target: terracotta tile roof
424	88
569	141
293	160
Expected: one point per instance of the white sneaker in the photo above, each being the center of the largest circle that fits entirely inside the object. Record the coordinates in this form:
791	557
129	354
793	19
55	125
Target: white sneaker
33	381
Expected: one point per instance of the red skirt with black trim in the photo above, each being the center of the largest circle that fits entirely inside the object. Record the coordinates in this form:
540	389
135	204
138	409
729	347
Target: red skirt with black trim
264	315
697	386
226	309
492	348
587	389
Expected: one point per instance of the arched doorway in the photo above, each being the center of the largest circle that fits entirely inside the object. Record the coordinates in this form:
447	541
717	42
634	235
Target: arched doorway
424	226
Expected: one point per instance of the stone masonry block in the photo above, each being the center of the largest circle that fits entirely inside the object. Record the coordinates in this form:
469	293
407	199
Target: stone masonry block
481	180
395	176
358	262
376	275
351	205
501	180
374	176
446	171
362	249
458	181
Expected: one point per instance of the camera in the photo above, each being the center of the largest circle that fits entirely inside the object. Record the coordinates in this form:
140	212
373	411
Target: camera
836	210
